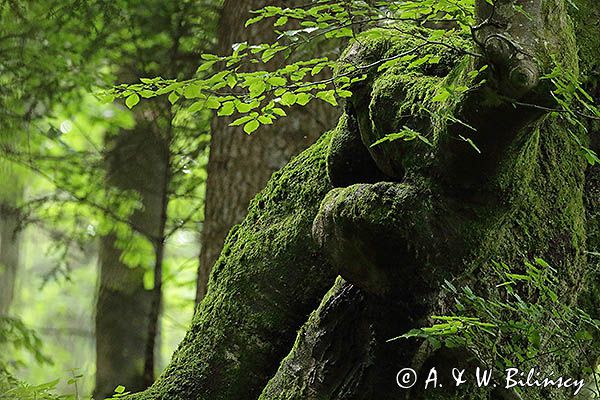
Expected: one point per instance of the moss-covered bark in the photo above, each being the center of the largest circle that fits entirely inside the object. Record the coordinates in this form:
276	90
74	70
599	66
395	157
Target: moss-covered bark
589	54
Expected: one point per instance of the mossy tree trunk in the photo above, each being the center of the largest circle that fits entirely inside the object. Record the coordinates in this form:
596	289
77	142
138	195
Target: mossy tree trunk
396	220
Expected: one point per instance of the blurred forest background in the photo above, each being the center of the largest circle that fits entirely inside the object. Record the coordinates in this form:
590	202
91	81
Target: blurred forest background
111	216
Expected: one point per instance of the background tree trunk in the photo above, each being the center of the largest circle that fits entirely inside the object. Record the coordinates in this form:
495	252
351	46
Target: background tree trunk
137	161
239	164
9	239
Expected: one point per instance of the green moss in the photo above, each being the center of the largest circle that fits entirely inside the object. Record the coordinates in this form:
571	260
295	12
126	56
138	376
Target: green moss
348	160
401	95
267	280
558	36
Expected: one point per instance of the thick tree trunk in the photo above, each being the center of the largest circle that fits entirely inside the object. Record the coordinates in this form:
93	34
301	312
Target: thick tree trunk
137	161
409	219
240	165
120	336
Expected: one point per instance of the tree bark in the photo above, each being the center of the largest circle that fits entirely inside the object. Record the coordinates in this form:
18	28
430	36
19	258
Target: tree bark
9	241
137	161
412	218
239	164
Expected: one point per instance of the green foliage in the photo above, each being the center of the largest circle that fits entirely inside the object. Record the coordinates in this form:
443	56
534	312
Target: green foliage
575	106
260	97
14	335
407	134
120	392
523	323
11	388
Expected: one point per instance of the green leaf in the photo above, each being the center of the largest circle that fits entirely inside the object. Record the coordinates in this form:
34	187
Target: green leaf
173	97
434	60
243	107
303	98
471	143
227	108
288	99
241	120
281	21
541	262
344	93
328	96
251	126
120	389
253	20
269	54
316	69
277	81
191	91
265	119
419	61
205	66
257	88
407	134
213	103
279	111
442	95
231	80
132	100
196	106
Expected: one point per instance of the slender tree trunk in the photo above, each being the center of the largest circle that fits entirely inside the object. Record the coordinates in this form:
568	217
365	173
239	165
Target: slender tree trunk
239	164
159	243
137	161
267	281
